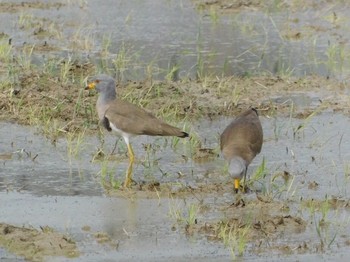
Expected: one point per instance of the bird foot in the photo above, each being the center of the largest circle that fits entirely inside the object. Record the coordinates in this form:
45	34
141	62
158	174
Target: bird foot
239	203
129	182
244	189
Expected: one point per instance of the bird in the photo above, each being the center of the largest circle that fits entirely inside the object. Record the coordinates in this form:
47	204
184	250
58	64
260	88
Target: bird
240	142
126	119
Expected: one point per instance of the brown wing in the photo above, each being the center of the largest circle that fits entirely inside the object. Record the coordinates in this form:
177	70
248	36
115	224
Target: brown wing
134	120
242	137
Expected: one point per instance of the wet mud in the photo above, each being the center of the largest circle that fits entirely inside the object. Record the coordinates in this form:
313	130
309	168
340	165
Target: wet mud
34	245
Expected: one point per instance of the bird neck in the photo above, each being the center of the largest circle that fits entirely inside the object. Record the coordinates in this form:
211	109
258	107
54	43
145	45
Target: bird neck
107	96
103	102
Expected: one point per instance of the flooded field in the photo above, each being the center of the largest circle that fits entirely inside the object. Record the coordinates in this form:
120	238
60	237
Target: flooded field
195	64
184	38
307	180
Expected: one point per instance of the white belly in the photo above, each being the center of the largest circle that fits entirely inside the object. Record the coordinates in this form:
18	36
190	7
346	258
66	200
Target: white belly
126	136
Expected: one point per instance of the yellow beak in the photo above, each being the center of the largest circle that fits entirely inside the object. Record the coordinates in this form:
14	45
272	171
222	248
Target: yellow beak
90	86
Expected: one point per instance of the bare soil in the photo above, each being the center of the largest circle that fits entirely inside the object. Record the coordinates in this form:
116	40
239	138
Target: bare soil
260	5
34	244
36	99
25	5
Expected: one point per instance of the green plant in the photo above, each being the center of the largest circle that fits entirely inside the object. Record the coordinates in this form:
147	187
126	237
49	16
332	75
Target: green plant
259	174
305	123
319	212
5	51
66	66
347	171
24	59
175	140
279	126
173	73
286	189
54	30
175	210
122	61
106	44
83	108
236	96
200	60
335	57
75	144
181	215
279	185
150	69
83	39
128	18
108	180
324	208
150	163
26	21
49	67
192	214
213	14
234	236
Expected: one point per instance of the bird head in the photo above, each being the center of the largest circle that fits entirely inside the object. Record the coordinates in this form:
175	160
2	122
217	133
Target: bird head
237	167
102	83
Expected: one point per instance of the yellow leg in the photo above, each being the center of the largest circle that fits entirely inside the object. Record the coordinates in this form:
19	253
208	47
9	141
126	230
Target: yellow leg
245	180
236	182
128	177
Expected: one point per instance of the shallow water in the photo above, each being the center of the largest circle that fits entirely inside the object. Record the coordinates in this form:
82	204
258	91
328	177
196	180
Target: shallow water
318	152
166	34
68	196
42	184
140	228
49	173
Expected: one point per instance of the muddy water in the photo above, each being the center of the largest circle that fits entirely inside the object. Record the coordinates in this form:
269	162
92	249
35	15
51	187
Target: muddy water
139	229
67	195
167	34
32	163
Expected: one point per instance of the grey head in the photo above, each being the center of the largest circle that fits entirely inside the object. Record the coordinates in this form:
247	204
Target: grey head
104	85
237	167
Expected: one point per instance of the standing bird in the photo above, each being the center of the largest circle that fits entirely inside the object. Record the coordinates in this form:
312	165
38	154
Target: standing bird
240	142
125	118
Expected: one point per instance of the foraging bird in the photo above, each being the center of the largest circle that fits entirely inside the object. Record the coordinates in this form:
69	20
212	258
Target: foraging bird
240	142
127	119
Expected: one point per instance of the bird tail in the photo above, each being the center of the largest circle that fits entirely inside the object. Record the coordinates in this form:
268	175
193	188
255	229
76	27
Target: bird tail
183	135
169	130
